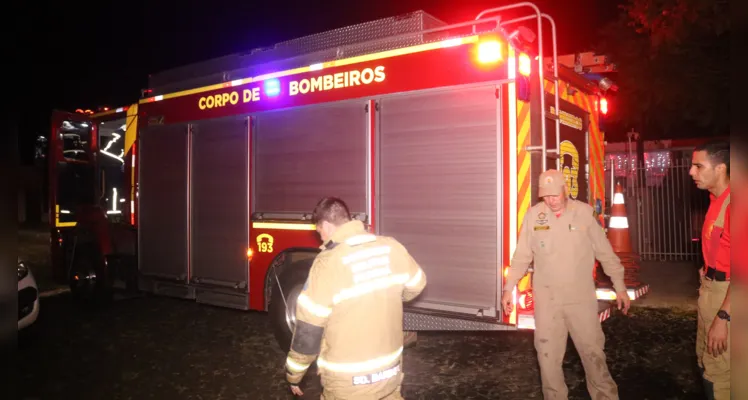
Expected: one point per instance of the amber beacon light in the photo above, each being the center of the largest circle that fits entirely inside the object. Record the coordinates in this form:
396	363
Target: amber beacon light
490	51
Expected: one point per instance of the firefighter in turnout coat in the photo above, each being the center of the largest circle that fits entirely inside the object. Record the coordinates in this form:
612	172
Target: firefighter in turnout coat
349	315
563	239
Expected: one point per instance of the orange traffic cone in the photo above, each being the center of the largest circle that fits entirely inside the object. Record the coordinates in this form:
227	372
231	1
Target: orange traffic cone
618	228
620	239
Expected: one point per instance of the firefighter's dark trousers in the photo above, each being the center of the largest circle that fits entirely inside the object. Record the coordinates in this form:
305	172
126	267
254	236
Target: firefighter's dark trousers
555	319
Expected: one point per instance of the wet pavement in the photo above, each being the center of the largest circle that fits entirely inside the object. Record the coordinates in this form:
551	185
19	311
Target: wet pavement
162	348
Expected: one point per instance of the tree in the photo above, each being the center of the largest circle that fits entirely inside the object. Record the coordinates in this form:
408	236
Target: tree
672	58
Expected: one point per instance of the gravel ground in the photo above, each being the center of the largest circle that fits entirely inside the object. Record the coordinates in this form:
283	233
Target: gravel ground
162	348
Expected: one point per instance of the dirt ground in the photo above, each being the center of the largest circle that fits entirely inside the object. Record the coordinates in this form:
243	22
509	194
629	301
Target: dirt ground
33	248
163	348
672	284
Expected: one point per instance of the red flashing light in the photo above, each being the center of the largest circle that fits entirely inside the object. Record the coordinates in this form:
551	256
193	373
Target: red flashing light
524	67
604	106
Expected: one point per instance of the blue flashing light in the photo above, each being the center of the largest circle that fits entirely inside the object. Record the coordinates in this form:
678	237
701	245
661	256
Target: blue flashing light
272	87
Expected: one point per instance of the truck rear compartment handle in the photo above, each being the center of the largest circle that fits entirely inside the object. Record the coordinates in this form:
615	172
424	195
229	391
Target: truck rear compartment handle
216	282
177	278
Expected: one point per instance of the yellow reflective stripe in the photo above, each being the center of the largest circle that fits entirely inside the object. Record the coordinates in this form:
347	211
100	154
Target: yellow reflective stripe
131	130
314	308
608	294
59	224
281	225
294	366
416	279
366	253
370	286
362	366
370	263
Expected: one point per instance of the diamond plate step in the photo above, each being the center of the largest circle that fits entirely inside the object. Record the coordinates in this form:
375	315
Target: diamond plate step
428	321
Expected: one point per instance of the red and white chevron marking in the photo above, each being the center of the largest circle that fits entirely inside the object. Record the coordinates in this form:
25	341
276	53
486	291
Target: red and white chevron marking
604	315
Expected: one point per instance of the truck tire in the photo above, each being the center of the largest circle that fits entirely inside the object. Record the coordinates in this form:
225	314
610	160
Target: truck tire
88	277
282	317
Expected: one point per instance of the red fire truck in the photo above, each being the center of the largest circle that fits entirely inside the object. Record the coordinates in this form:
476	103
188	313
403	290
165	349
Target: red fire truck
434	134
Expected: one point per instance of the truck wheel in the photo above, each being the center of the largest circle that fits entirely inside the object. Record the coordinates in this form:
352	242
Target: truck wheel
88	278
283	313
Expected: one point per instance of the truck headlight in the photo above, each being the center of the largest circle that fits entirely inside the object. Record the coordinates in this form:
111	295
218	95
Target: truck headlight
23	271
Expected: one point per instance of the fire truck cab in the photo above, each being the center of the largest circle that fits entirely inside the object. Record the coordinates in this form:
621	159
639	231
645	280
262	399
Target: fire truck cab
434	134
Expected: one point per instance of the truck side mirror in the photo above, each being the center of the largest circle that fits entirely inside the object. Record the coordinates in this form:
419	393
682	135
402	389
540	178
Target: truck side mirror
41	148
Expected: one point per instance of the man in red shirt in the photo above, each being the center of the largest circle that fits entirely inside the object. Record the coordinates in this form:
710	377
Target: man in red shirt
710	170
739	288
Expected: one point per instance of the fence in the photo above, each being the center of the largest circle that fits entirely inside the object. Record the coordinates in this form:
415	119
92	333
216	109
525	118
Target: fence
665	209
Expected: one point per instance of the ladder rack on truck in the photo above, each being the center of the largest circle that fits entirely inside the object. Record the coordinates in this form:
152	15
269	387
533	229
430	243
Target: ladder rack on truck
434	134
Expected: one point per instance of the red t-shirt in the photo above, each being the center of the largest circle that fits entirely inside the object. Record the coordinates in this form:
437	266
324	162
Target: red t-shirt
722	261
739	233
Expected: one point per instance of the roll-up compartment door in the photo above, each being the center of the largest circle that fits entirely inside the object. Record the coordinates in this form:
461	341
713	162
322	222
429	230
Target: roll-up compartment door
304	154
219	202
162	194
438	191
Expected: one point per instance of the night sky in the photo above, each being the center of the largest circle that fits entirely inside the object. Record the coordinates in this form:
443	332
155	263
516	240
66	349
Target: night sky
100	54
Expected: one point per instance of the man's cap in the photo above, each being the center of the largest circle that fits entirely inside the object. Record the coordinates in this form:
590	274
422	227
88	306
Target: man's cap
551	183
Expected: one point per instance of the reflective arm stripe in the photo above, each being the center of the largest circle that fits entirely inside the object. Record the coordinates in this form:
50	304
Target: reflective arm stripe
413	282
296	367
363	366
312	307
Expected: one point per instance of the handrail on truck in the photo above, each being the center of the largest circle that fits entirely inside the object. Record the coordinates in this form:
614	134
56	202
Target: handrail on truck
539	16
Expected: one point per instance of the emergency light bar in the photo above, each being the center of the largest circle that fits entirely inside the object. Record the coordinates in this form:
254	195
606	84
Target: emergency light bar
272	87
490	49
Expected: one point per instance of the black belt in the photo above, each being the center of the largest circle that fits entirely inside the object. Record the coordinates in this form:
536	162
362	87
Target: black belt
714	275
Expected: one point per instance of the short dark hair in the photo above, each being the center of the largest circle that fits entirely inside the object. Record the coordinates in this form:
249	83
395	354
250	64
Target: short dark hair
718	152
332	210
